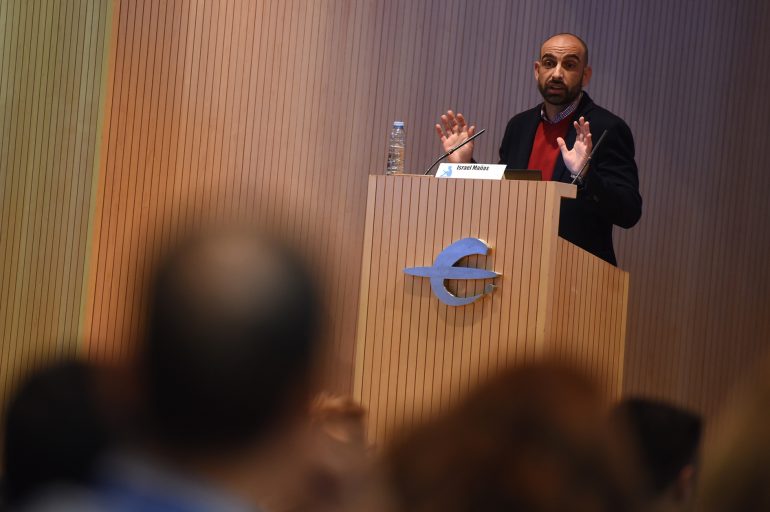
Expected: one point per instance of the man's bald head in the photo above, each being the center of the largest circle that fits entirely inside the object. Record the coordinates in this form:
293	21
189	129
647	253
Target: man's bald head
566	37
231	337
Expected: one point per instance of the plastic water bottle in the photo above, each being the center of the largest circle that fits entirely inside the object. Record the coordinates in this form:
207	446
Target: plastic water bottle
396	146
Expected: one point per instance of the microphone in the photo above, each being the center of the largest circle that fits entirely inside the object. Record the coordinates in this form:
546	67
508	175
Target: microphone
463	143
579	176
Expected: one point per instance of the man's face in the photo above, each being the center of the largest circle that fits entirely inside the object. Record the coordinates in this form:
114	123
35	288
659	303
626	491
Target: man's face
561	72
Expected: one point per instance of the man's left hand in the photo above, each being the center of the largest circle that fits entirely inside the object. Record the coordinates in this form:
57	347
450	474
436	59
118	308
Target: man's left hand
577	157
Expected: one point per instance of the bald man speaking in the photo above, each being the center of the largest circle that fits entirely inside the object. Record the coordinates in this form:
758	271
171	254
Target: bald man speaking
557	136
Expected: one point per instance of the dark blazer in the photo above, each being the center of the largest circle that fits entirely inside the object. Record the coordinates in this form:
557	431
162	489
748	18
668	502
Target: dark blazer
610	194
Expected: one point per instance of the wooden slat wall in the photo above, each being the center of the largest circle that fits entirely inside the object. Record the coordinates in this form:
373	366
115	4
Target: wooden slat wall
588	326
52	59
229	110
699	308
415	355
277	111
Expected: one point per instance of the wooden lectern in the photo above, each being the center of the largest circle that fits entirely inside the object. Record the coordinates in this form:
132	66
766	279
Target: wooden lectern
415	356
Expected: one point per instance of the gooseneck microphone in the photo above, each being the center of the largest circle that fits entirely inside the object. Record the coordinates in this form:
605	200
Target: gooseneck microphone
579	176
463	143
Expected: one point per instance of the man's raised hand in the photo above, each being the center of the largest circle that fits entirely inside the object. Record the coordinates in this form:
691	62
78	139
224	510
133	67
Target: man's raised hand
452	131
577	157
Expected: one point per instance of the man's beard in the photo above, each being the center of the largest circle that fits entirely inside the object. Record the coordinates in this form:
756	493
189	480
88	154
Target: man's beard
565	96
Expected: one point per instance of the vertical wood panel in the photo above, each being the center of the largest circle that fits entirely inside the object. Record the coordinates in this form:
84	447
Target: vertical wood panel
391	315
52	64
587	325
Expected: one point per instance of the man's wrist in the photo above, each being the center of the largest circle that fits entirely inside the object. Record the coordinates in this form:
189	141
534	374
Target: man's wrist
576	179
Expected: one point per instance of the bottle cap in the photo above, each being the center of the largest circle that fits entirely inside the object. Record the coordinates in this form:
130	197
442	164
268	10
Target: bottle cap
398	124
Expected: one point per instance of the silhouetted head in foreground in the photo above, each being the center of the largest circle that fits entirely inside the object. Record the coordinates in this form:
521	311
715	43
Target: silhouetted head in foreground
54	432
666	439
533	439
736	465
231	341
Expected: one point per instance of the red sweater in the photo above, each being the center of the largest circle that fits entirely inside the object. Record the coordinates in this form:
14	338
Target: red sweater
545	150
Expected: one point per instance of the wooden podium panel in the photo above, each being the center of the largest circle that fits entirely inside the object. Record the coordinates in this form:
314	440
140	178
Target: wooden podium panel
416	356
588	326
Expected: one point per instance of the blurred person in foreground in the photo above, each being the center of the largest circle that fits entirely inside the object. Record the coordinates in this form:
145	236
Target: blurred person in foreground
667	440
55	432
533	439
339	472
225	377
736	463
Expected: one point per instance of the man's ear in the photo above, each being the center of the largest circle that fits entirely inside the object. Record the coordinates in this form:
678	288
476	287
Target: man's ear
537	70
587	76
685	483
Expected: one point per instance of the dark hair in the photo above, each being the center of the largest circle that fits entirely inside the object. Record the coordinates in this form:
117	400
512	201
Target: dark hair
232	332
580	40
533	438
666	437
54	431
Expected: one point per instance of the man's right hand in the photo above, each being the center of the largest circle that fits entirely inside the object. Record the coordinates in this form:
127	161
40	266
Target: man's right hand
452	131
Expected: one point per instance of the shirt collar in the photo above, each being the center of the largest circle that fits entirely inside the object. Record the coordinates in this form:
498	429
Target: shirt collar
564	114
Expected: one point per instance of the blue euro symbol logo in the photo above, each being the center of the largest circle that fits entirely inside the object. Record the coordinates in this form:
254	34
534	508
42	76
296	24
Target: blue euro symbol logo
444	268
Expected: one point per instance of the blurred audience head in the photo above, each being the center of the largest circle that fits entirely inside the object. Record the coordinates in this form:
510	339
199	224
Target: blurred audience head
667	440
736	466
533	439
231	342
54	432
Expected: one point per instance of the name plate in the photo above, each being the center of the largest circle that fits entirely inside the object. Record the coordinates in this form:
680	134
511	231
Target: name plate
471	171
